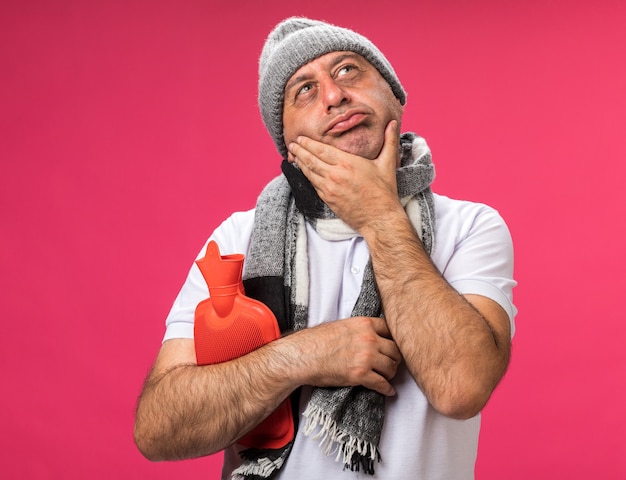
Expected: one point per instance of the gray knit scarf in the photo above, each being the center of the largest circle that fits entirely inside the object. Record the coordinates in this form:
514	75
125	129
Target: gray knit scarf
348	420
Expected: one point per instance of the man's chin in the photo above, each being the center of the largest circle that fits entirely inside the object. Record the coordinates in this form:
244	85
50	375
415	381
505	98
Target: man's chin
361	143
369	150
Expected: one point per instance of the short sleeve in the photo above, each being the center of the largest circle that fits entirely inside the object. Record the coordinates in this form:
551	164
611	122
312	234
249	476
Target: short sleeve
232	236
474	252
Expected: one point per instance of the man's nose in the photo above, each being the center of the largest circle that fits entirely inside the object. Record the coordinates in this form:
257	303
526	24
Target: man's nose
333	94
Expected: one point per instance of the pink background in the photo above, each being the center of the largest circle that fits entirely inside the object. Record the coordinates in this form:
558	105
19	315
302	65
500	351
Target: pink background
129	130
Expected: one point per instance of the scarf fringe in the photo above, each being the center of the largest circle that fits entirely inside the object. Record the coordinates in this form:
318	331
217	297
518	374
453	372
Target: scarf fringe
259	464
356	452
264	468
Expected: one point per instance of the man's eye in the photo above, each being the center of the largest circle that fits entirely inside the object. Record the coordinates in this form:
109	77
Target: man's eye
304	89
345	69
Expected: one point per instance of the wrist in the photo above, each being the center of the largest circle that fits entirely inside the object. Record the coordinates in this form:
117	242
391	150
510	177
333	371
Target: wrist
391	222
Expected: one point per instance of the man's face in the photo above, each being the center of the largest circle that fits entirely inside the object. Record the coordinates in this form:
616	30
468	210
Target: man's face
342	100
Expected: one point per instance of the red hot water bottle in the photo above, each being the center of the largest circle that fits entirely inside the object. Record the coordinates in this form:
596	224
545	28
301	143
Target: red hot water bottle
229	325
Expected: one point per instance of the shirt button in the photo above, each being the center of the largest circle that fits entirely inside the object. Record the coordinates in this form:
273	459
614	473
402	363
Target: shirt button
354	270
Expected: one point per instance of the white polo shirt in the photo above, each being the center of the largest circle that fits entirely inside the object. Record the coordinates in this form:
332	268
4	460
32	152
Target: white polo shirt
472	249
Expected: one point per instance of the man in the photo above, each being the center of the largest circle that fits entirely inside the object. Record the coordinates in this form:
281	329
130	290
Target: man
398	301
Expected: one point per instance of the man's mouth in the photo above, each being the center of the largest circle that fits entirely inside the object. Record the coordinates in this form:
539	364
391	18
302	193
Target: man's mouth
345	122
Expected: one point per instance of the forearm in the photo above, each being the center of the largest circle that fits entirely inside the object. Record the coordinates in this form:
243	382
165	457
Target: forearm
455	355
455	352
188	411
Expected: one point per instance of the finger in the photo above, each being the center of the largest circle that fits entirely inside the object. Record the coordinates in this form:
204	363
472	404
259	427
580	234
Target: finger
389	154
307	162
386	366
380	327
380	384
390	350
322	151
386	345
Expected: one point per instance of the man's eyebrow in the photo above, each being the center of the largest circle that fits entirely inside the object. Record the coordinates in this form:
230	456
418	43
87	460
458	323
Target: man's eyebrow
304	77
295	81
341	58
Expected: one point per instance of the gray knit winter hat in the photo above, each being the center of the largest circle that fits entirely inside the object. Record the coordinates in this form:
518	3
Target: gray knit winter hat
295	42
